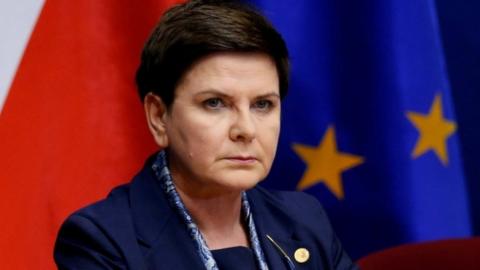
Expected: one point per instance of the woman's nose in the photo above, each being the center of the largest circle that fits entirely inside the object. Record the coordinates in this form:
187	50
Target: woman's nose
243	127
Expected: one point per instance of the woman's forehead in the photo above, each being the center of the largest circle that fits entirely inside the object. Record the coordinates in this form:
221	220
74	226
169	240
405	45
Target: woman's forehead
227	73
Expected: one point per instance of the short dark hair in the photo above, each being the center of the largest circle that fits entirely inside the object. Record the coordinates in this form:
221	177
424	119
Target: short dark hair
195	29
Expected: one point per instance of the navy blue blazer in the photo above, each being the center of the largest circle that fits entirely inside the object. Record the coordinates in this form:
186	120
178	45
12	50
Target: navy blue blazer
136	228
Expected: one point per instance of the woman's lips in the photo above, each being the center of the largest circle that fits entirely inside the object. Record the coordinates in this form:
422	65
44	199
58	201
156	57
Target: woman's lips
242	159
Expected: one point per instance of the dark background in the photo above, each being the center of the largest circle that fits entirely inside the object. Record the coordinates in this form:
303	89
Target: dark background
460	29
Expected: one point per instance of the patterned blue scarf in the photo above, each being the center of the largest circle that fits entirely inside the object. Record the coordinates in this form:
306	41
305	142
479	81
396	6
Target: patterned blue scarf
163	175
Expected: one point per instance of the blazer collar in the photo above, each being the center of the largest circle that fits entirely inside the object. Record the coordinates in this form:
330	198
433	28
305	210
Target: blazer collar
156	224
150	209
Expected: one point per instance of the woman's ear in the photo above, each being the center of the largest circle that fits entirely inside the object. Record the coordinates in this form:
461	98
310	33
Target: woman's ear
156	113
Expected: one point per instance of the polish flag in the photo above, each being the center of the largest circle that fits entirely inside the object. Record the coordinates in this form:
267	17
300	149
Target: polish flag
71	124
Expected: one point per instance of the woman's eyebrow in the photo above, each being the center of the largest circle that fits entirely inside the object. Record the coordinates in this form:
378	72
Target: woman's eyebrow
269	95
220	93
212	92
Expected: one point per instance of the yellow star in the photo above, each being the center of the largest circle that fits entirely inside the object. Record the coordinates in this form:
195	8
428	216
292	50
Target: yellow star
434	131
325	164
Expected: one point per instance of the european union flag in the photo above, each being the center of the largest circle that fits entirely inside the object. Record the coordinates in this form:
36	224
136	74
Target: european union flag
368	125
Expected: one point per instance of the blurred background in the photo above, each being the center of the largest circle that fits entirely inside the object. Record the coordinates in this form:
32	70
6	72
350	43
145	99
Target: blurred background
380	124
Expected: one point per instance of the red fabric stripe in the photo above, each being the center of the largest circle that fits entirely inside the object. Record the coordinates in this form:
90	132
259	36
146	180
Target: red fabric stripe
72	126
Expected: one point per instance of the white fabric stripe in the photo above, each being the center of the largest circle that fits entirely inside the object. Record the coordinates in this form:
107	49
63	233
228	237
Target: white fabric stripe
17	20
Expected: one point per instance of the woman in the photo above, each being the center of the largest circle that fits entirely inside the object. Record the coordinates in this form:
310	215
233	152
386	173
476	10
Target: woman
212	77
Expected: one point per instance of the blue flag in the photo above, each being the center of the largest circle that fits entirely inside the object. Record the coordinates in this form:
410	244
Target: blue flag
368	124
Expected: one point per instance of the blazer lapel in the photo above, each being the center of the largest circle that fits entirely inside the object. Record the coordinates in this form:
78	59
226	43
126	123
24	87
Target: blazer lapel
156	224
272	221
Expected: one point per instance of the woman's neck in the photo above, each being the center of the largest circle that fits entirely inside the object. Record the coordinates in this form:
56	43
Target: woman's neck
218	218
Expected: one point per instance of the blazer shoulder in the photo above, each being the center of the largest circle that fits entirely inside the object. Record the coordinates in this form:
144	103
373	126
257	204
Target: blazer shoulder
112	207
105	216
99	236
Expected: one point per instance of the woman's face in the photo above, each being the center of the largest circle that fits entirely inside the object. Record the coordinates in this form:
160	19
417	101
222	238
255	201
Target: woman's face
224	123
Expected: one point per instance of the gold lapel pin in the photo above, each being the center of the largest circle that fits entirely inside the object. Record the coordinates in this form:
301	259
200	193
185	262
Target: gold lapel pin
301	255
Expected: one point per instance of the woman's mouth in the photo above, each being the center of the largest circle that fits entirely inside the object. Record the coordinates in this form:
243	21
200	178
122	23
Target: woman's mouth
242	159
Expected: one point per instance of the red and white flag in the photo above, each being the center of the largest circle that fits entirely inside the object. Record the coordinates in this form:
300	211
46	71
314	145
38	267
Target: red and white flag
71	124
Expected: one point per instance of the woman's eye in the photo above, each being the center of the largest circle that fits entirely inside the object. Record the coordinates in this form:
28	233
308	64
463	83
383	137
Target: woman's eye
263	104
214	103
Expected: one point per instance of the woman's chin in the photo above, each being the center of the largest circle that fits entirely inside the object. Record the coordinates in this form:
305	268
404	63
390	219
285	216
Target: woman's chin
232	186
241	180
